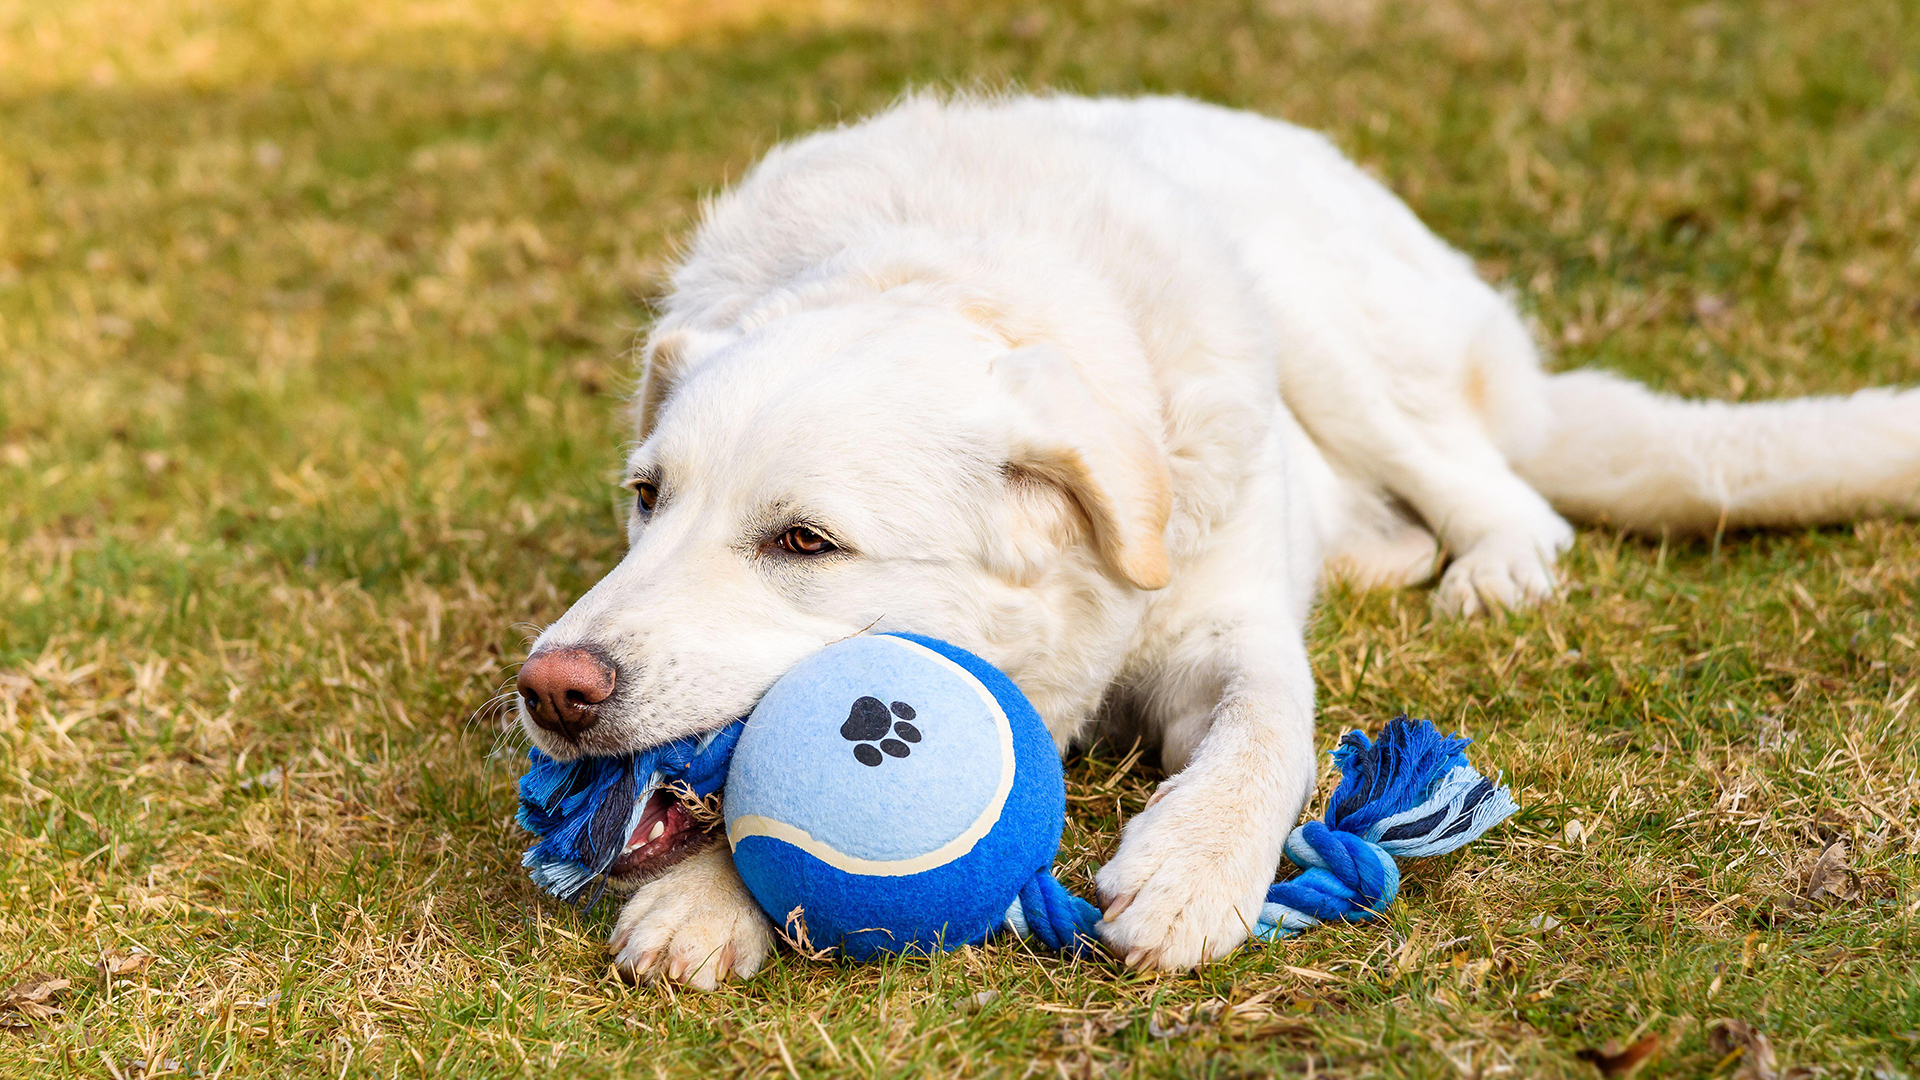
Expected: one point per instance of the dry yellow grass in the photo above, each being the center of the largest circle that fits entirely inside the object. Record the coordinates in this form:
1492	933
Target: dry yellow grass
312	329
211	44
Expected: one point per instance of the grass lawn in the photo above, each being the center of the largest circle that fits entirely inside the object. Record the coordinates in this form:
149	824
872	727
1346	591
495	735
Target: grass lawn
314	322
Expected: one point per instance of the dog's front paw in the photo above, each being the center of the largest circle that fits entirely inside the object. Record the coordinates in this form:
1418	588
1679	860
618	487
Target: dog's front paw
1182	891
1497	574
696	924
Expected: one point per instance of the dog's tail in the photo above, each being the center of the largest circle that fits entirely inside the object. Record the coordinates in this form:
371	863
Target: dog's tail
1619	453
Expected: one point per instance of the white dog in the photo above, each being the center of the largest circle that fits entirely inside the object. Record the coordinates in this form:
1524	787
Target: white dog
1098	390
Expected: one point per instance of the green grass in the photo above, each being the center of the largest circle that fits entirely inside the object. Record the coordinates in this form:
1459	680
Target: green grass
313	332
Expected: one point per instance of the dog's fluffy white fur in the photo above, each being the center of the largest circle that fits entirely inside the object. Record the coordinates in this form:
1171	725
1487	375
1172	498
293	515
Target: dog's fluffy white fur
1099	389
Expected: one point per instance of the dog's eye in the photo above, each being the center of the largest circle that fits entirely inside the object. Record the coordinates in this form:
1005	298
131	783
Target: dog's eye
801	540
645	494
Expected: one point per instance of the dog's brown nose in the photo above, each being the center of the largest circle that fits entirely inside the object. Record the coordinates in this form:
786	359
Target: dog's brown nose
563	689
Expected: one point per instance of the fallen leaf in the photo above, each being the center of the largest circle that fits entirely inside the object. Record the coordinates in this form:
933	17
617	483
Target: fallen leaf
1831	876
1827	878
118	963
33	996
1612	1060
1741	1042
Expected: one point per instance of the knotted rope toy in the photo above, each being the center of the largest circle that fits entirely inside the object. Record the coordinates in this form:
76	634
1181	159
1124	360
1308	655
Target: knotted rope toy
894	793
1412	794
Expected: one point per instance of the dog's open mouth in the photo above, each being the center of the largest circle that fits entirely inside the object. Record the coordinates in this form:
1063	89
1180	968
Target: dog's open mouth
665	833
622	820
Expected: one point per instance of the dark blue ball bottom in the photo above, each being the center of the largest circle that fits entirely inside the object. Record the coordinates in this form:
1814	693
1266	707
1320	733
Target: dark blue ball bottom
961	903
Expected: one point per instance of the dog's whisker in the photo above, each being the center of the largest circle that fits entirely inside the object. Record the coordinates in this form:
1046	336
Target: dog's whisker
491	711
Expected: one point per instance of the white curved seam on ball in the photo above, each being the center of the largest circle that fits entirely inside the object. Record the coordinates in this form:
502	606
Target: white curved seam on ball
757	825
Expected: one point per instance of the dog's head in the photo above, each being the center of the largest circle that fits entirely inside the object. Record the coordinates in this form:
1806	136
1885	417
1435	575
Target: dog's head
873	466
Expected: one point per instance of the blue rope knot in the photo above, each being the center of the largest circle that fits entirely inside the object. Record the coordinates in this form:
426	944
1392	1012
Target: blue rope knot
1047	911
1343	873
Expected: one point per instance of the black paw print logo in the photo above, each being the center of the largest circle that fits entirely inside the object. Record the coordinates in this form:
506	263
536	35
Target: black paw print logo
872	719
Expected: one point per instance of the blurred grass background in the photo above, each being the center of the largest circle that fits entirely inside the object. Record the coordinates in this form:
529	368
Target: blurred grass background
314	319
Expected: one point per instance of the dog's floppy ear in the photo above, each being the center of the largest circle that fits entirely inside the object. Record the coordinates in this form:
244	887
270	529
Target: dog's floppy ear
1105	452
663	360
660	360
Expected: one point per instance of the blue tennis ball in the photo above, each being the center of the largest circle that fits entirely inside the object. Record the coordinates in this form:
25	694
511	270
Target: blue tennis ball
896	792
